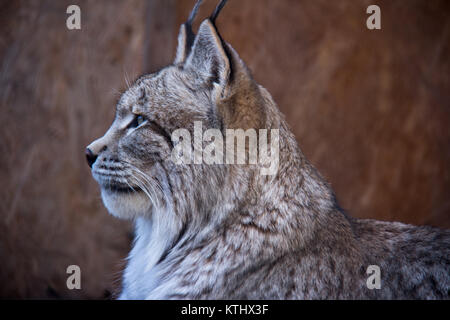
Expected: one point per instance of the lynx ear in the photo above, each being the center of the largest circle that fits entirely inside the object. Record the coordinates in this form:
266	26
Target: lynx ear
184	45
186	36
208	57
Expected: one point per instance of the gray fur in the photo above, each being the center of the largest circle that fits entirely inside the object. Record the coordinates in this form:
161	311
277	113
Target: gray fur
227	232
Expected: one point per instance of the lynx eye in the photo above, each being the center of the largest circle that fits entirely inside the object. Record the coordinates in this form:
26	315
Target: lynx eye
137	121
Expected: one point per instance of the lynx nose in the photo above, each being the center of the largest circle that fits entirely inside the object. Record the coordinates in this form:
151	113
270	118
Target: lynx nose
90	157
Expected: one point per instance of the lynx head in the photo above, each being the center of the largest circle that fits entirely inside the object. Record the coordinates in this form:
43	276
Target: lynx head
206	83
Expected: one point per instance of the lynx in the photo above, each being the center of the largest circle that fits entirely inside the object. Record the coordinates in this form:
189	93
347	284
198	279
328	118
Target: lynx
225	231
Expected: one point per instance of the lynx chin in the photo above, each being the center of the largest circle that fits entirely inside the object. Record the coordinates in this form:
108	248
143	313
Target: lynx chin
225	231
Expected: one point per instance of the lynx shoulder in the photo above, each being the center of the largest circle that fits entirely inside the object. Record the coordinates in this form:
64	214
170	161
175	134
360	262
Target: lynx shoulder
225	230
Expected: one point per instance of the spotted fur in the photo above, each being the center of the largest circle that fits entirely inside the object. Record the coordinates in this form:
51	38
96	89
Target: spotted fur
226	231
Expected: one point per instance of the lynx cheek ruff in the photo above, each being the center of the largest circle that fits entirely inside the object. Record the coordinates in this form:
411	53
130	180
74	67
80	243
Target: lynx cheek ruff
222	211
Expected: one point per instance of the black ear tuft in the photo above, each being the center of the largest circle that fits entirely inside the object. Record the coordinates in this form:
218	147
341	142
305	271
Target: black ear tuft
217	10
186	36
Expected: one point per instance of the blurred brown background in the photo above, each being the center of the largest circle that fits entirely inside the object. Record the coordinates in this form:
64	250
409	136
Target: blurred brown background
370	109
